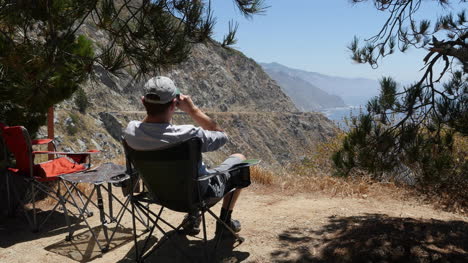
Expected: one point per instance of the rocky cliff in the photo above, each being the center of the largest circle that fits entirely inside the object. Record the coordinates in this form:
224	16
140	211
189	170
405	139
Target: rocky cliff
223	79
260	119
219	79
275	137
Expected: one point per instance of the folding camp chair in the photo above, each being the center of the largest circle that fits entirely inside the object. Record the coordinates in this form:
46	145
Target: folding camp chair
5	159
36	176
172	181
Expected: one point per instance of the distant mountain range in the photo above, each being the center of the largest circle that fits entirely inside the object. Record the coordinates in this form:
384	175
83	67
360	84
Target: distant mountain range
305	96
320	89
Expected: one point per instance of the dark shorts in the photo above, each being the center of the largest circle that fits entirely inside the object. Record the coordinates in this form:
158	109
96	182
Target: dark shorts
220	185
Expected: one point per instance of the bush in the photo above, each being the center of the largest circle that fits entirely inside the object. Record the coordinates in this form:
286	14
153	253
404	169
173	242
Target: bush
81	100
71	124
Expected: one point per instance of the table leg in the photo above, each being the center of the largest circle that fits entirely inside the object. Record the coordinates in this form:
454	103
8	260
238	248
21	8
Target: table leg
110	197
102	216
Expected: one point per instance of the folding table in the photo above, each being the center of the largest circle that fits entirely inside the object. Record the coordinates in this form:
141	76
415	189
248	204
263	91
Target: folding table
101	178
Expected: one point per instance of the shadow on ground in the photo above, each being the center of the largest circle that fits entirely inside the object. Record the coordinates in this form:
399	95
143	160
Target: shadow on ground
375	238
179	248
14	230
83	247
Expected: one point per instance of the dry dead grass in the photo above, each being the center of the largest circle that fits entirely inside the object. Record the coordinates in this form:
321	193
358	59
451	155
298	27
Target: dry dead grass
314	175
261	175
357	187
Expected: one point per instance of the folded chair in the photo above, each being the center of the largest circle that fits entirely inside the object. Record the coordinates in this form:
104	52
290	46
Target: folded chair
38	175
171	179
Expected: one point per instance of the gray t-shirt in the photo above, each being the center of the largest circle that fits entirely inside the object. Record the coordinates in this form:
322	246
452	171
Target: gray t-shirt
151	136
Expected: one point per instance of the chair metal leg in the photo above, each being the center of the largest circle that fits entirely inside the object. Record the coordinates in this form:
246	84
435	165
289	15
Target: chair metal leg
124	205
152	229
10	209
205	239
67	221
65	212
78	193
33	193
166	235
22	202
132	203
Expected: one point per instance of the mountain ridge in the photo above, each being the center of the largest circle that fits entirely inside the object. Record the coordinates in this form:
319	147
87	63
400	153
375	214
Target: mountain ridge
305	96
354	91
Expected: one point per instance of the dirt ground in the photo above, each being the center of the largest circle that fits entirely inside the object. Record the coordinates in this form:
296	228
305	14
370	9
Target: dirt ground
277	227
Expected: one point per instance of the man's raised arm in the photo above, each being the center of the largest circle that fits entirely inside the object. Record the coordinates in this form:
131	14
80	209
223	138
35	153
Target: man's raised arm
186	104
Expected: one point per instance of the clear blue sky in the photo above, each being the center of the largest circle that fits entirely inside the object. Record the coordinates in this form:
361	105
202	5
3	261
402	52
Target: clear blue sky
313	35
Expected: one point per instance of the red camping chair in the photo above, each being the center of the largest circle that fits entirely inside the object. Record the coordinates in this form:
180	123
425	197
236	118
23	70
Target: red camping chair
19	144
5	158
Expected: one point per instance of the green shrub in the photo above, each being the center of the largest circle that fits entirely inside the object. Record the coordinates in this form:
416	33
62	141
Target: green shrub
81	100
72	125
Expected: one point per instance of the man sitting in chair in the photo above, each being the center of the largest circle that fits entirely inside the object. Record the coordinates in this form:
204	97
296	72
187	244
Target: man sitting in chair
161	100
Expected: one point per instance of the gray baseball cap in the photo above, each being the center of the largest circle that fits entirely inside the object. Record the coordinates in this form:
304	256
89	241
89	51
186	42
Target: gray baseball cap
162	88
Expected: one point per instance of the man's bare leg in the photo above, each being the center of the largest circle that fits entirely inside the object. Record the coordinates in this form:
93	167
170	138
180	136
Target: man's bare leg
234	195
229	202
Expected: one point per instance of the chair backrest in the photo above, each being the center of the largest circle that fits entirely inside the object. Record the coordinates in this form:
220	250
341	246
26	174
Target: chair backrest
18	143
169	174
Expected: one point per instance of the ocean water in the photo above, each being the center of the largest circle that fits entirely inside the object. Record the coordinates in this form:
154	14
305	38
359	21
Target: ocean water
338	115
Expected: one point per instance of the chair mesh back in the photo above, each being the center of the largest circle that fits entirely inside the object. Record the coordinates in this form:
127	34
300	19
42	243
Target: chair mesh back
168	173
19	144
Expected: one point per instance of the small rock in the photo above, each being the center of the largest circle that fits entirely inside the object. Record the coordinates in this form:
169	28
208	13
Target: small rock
81	144
96	145
67	149
69	122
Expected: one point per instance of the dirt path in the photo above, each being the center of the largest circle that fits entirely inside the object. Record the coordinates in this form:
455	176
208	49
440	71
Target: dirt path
280	228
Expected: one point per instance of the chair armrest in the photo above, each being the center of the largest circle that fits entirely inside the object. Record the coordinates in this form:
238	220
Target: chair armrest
134	173
41	141
244	164
14	170
208	176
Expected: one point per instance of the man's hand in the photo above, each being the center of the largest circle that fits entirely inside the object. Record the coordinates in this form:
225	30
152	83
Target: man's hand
185	104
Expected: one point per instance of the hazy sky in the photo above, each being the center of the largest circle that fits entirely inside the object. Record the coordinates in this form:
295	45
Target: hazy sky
313	35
